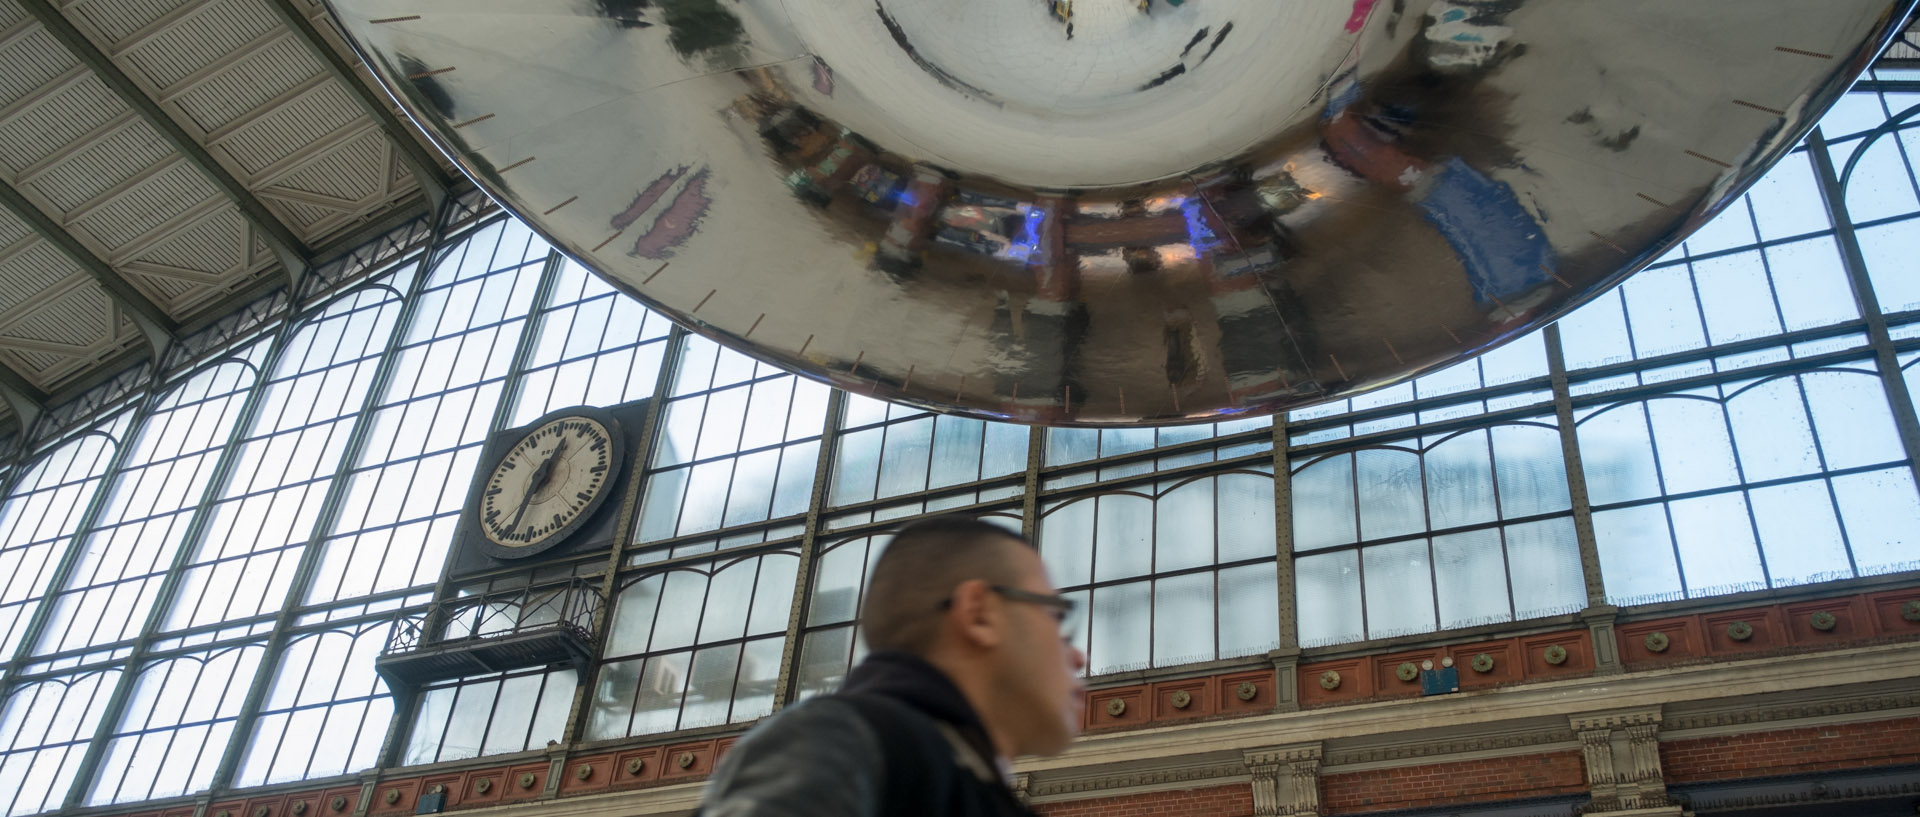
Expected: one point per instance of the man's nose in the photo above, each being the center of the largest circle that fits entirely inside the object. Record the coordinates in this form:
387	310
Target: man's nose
1076	659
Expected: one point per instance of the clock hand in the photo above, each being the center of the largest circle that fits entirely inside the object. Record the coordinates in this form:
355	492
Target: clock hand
537	482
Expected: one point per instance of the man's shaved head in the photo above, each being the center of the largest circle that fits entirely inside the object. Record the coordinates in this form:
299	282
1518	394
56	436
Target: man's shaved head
920	568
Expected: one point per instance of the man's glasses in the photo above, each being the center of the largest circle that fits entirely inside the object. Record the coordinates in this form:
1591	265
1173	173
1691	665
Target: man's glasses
1061	606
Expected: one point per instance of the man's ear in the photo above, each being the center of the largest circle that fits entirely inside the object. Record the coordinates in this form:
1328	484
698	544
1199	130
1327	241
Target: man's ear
974	617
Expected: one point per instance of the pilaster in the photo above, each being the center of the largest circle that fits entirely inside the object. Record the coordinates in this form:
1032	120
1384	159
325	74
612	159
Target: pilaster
1285	779
1622	753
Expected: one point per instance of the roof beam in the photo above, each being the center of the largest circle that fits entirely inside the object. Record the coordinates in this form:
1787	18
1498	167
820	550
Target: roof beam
158	327
294	253
425	170
27	401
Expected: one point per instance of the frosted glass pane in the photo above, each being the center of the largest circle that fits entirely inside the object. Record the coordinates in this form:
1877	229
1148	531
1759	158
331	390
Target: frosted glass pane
1617	455
1119	636
1183	614
903	463
1459	481
1544	558
1717	550
1183	527
1391	498
1691	437
1531	469
662	686
710	691
1124	546
836	583
1881	512
1811	284
823	660
1066	543
1245	514
1850	415
1799	533
1736	297
759	672
1399	589
1771	431
1328	589
1636	555
1471	572
1323	509
1249	611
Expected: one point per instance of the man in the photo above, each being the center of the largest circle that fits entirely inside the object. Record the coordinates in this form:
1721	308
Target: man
969	669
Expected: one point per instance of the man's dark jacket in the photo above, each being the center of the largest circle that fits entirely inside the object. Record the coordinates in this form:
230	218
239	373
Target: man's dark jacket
898	737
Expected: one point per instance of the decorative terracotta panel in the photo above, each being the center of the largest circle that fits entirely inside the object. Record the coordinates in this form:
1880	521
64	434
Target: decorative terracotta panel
525	782
1124	706
688	760
1761	630
1502	662
1179	700
600	772
1574	651
637	767
1897	612
1246	692
395	797
1387	669
1666	641
1827	621
1323	683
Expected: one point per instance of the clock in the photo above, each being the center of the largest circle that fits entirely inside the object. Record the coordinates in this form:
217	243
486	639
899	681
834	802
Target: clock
540	487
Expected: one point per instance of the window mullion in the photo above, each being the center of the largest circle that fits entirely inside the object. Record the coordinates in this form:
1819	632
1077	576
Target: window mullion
809	549
623	527
170	581
1833	193
336	491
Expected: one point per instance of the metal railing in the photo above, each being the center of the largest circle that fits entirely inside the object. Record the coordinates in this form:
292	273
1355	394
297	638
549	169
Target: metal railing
569	606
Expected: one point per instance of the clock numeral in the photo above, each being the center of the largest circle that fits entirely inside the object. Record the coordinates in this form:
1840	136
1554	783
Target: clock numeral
584	496
599	444
508	465
598	469
494	491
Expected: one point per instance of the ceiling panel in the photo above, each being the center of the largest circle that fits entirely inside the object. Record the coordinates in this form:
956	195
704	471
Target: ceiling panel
58	340
250	83
148	204
290	129
113	21
29	61
116	158
11	14
212	31
29	272
58	121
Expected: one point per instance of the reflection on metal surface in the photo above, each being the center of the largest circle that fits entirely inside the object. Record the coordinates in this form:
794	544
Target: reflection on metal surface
1115	211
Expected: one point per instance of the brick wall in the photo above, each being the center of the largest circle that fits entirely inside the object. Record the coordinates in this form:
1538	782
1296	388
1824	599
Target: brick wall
1448	783
1219	801
1788	751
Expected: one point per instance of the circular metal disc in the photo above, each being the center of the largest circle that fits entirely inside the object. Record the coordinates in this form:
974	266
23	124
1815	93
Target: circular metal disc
1111	212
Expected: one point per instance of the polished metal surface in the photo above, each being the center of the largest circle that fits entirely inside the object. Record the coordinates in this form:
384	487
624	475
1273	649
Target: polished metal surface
1115	211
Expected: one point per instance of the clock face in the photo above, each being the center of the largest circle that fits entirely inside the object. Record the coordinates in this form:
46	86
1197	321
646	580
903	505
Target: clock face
548	482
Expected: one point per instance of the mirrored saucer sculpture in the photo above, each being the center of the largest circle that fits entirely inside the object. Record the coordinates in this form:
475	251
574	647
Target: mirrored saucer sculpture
1115	212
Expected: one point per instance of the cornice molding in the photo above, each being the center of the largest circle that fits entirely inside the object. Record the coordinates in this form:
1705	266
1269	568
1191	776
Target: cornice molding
1791	716
1043	789
1477	747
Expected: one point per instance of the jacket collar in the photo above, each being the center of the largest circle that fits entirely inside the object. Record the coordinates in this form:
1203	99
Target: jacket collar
916	683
